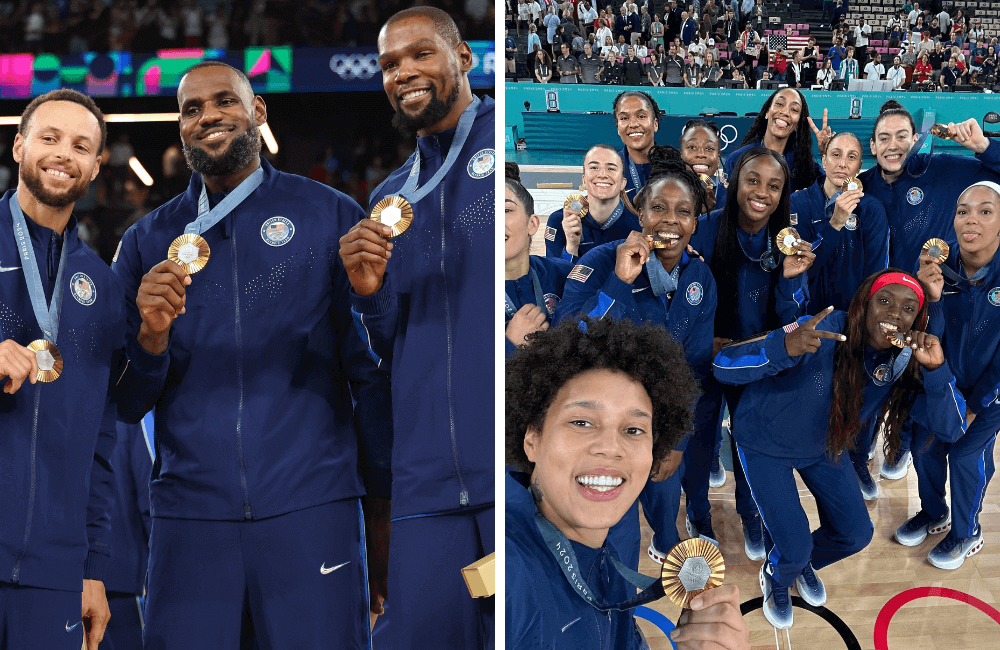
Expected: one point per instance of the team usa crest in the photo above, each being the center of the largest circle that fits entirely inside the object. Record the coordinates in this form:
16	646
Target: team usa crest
695	293
277	231
994	296
551	302
482	163
83	289
914	195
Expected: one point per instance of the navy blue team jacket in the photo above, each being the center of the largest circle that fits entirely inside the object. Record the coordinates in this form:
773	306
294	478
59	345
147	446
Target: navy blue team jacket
431	327
785	410
552	278
56	439
130	519
254	415
594	234
543	611
797	183
844	258
634	183
920	204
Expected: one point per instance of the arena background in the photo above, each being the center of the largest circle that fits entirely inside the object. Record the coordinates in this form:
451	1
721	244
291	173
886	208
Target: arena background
314	62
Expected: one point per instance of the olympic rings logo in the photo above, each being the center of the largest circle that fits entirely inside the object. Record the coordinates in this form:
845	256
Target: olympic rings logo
355	66
726	140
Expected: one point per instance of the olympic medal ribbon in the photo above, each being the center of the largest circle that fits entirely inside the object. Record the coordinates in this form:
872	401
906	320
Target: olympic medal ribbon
536	285
209	217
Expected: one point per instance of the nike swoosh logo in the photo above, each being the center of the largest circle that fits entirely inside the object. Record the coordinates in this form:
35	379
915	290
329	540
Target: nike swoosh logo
639	289
69	628
570	623
4	269
324	570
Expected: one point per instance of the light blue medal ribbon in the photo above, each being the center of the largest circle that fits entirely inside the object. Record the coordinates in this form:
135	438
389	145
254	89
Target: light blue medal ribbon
208	218
46	315
898	366
619	211
409	190
536	285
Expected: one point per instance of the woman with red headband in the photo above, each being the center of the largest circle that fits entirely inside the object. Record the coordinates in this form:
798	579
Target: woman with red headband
801	410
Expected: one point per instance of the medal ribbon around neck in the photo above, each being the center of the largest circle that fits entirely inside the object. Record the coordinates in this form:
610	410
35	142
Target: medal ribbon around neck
46	315
208	218
539	297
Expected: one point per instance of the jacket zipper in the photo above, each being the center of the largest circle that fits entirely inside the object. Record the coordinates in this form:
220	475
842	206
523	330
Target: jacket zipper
247	511
15	574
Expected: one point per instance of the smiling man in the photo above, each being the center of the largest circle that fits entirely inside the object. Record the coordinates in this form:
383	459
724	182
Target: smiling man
424	302
57	420
255	492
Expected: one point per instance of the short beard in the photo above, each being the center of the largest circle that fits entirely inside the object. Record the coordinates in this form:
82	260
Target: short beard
54	199
435	111
241	151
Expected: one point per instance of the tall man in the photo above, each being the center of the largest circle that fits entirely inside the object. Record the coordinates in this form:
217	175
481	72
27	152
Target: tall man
425	304
255	488
62	329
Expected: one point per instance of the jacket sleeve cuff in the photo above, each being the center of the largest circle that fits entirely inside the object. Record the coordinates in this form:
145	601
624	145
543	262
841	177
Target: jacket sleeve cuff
376	304
774	348
938	379
378	482
96	565
616	289
992	154
147	363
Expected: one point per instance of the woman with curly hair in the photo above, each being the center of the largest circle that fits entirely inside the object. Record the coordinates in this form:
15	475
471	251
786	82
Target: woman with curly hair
591	406
699	146
649	278
809	386
783	126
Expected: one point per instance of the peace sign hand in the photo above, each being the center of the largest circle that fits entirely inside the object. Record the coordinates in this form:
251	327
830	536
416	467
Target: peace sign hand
824	135
806	338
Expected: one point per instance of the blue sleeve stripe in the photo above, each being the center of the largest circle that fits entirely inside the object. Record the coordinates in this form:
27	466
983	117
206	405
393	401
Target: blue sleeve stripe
359	324
723	362
604	303
886	265
799	297
959	404
990	398
566	256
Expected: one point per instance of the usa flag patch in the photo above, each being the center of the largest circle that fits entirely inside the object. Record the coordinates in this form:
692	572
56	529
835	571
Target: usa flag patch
580	272
550	233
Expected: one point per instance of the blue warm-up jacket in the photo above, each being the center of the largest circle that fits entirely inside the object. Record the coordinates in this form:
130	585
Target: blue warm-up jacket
844	258
56	439
430	326
797	183
785	410
552	279
754	307
634	183
594	234
920	204
253	407
130	519
542	609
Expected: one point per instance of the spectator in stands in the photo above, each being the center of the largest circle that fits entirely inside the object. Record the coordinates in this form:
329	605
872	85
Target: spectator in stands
710	72
989	70
897	73
862	33
654	69
909	56
34	28
896	29
523	16
758	17
191	16
926	44
944	24
611	71
779	70
838	14
656	30
645	22
849	67
509	51
958	27
837	53
875	70
746	10
632	69
939	59
711	48
622	27
826	74
536	13
976	33
739	78
977	55
794	74
534	45
576	47
730	28
692	73
810	61
590	65
688	29
697	50
551	22
603	33
914	15
609	47
739	60
568	66
543	67
935	31
923	71
827	11
588	17
950	76
642	51
673	68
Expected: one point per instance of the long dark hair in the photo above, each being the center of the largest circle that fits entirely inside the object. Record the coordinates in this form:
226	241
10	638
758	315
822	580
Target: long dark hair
850	379
803	165
889	109
666	162
728	254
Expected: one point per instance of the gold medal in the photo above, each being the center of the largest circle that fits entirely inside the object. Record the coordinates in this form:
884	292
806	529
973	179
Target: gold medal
655	241
936	248
50	362
693	566
852	183
941	131
706	179
577	203
190	252
787	239
395	212
897	339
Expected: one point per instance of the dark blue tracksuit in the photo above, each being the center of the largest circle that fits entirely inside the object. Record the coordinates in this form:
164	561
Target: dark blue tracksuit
920	204
551	279
781	424
971	341
256	442
759	307
57	440
797	183
634	179
428	327
618	226
689	315
542	609
130	524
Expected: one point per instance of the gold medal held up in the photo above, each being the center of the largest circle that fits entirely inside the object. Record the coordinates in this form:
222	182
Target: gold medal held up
50	362
852	183
787	240
936	248
895	337
941	131
655	241
578	203
693	566
190	252
395	212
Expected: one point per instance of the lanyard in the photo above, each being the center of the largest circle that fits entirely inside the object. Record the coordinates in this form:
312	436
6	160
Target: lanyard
539	297
562	550
409	190
955	279
619	209
46	315
208	218
633	171
898	366
767	261
663	283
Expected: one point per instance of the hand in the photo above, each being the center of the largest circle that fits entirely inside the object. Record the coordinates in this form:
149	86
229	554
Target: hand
969	417
806	338
931	278
161	299
692	253
572	225
529	318
926	349
18	363
718	343
795	265
365	250
709	196
632	254
377	529
714	622
969	134
844	207
824	135
96	613
664	469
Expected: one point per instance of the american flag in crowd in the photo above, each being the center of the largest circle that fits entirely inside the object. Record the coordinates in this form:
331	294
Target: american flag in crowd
776	42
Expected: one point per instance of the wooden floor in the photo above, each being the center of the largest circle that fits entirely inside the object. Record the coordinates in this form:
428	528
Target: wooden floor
860	586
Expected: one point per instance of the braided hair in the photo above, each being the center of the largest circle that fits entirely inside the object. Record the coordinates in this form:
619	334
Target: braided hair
666	162
803	165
